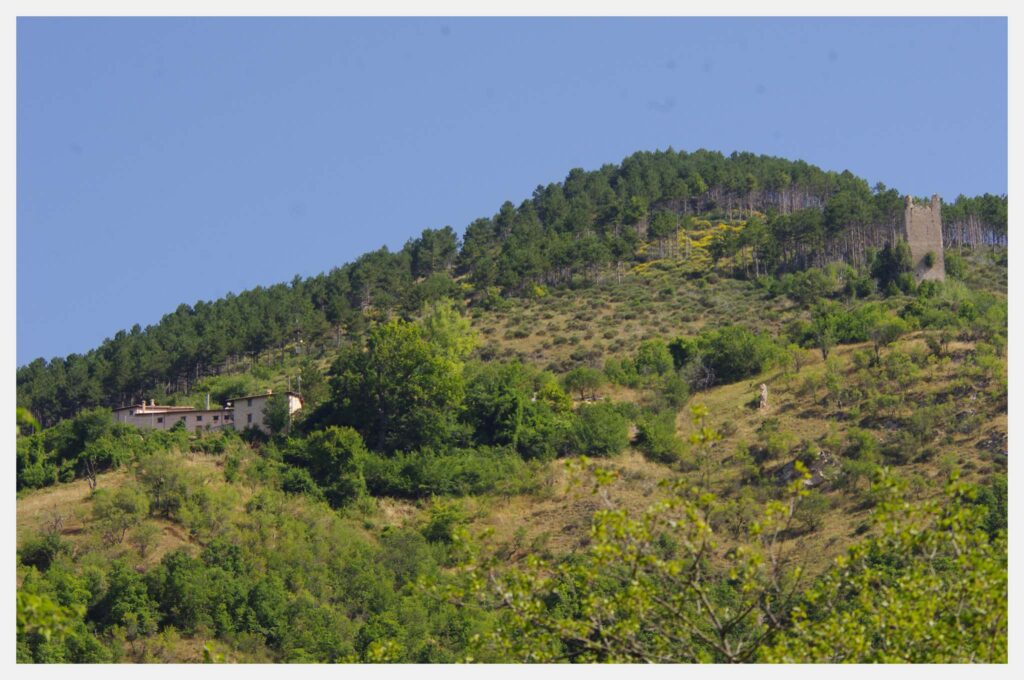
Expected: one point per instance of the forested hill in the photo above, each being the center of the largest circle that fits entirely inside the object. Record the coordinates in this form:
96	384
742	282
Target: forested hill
784	216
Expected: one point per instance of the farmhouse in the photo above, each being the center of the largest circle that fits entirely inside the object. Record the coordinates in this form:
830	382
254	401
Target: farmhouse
240	413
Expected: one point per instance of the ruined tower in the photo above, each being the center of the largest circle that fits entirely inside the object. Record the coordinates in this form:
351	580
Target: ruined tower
922	227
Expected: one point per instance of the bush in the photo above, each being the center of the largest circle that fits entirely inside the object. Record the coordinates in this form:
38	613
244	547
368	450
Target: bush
861	445
811	509
734	353
458	472
675	390
956	266
332	457
41	551
116	512
890	263
298	481
601	430
621	372
165	481
653	358
444	518
656	437
584	379
809	286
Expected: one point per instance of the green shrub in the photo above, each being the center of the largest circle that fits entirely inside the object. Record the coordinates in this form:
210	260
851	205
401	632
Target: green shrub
298	481
601	430
811	509
656	437
41	551
333	458
734	353
653	358
443	519
956	266
115	512
458	472
861	445
674	390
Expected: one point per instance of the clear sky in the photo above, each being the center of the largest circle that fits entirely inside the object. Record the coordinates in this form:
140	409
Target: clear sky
163	161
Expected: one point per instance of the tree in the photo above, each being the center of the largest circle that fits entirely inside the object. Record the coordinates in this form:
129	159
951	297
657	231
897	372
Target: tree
663	225
653	358
333	458
824	327
497	398
26	422
601	429
145	537
433	251
448	330
277	415
890	263
885	330
734	352
629	598
312	384
656	437
164	479
103	454
932	588
126	603
115	512
402	392
584	379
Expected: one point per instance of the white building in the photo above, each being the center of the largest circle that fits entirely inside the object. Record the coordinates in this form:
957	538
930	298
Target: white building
240	413
248	411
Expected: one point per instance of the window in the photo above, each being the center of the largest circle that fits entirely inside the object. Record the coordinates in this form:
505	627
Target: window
248	418
216	418
159	420
248	402
199	418
184	419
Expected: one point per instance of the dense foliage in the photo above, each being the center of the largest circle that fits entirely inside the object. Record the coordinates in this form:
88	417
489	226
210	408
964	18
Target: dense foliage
930	588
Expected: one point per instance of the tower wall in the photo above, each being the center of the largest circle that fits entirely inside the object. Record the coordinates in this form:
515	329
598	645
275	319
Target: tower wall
922	226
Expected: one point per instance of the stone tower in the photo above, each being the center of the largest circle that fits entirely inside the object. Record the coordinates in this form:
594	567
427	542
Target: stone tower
922	227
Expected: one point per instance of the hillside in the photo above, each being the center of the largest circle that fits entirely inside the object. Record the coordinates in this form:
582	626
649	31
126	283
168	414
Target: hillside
539	461
594	225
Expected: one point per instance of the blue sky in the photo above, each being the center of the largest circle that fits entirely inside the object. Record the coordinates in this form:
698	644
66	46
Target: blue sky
163	161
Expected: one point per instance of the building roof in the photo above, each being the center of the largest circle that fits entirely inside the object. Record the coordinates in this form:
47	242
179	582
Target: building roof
155	408
146	409
265	395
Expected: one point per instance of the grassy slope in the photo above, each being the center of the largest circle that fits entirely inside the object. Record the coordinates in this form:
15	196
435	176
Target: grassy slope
611	319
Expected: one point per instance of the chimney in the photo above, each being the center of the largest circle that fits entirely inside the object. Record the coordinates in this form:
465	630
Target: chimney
207	401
